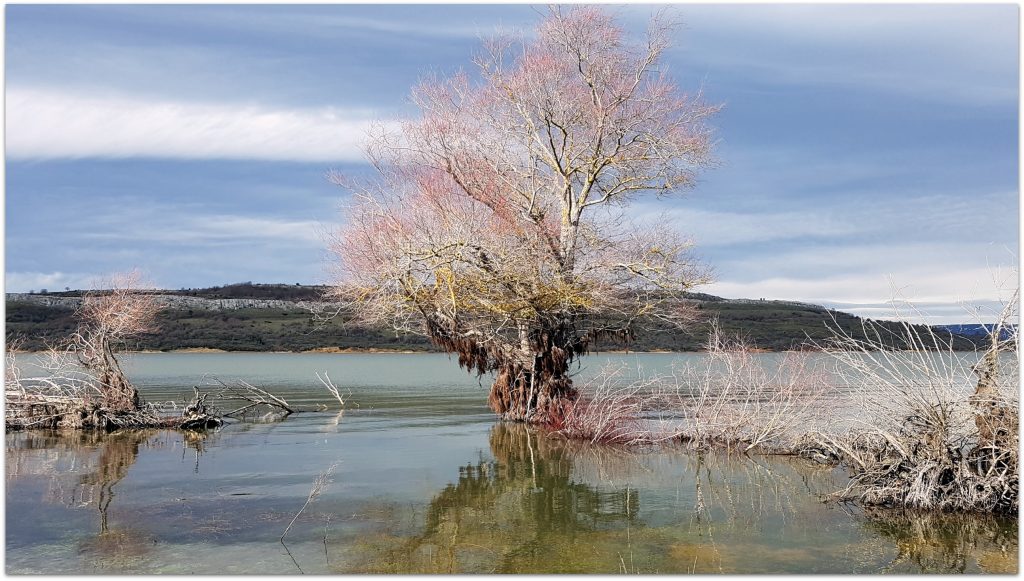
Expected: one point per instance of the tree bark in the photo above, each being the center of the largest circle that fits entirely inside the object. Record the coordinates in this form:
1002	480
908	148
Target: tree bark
536	388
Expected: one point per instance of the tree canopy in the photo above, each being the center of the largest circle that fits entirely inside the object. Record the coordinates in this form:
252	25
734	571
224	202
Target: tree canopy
497	222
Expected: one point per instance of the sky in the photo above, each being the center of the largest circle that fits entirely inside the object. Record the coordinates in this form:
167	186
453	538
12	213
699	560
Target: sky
867	152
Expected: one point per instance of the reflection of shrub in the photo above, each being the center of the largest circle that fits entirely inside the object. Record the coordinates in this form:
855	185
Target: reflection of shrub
932	543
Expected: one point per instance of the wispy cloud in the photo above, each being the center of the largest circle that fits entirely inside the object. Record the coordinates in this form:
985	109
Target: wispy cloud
952	286
331	23
930	313
48	124
929	52
710	228
209	229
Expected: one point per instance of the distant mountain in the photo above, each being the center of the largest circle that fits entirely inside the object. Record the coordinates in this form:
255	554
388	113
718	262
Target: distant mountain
275	317
977	330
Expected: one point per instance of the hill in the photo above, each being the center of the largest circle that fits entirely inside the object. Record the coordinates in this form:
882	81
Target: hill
978	330
275	317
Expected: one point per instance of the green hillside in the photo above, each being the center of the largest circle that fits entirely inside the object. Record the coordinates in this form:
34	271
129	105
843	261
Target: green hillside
771	325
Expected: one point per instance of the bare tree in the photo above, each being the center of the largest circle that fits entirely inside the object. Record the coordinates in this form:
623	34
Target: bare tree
496	225
109	318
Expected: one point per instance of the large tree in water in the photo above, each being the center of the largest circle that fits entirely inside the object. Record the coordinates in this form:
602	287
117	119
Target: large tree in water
497	223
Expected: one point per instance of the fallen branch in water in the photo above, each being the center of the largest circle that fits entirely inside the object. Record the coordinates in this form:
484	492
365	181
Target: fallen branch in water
327	383
254	396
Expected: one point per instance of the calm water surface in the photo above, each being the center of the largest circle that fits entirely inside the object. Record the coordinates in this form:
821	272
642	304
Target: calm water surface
426	481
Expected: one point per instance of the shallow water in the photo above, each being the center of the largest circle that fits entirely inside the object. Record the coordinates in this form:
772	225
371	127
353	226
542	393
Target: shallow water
425	481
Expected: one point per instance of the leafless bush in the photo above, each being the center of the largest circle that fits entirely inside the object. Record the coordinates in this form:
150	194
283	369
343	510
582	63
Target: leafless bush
732	399
108	319
738	400
67	395
931	428
83	384
607	412
12	371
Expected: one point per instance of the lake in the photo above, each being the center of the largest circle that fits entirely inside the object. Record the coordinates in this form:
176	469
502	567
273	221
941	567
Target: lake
425	480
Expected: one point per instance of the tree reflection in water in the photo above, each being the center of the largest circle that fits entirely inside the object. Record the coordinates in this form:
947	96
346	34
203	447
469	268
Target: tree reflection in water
83	470
549	506
115	548
518	512
532	505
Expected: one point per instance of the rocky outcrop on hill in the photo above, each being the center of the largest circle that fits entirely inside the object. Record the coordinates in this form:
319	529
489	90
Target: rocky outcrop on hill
171	301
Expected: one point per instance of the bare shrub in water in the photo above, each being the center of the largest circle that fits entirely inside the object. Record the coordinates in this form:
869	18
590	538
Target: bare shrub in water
108	319
732	399
918	424
608	412
84	385
931	428
737	400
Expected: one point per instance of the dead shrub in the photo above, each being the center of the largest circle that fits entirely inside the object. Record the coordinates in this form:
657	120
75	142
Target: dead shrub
931	428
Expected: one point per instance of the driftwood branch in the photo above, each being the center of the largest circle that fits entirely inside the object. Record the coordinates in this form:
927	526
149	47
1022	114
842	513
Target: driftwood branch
254	396
196	416
333	389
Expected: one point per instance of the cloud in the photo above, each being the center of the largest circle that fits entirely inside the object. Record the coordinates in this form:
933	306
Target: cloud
441	25
710	228
207	229
48	124
930	313
950	54
872	287
21	282
926	295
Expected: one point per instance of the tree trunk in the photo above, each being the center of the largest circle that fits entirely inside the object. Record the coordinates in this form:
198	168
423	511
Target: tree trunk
119	394
988	416
532	383
537	391
521	395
